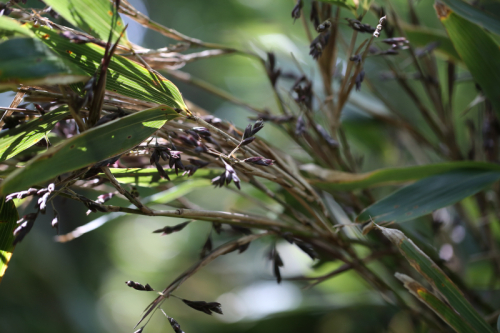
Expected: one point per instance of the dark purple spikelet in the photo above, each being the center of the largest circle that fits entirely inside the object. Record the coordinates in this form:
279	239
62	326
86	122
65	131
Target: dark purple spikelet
247	141
314	17
138	286
206	307
259	161
324	26
324	134
168	230
202	131
300	127
297	9
207	247
25	225
248	132
359	79
175	325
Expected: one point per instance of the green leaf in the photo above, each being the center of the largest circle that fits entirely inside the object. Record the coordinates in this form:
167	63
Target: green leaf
337	180
10	27
151	178
446	313
498	324
420	36
28	61
475	15
92	16
94	145
429	194
478	50
438	280
16	140
349	4
8	219
124	76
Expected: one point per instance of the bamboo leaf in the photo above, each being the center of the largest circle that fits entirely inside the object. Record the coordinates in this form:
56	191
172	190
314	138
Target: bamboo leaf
439	281
94	145
151	178
349	4
447	314
478	50
28	61
10	27
473	14
96	21
429	194
124	76
16	140
337	180
8	219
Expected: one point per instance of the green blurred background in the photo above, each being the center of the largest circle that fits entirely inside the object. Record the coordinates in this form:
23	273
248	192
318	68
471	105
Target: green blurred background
80	286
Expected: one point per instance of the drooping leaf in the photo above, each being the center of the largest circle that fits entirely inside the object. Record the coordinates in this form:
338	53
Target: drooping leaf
10	27
483	19
92	16
8	218
478	50
345	181
446	313
28	61
151	178
438	280
125	76
421	37
94	145
16	140
429	194
349	4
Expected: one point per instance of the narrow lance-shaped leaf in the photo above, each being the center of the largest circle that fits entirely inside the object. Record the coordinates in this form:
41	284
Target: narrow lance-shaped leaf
338	180
151	178
429	194
28	61
438	280
450	317
94	145
92	16
8	218
16	140
477	49
125	76
474	14
10	27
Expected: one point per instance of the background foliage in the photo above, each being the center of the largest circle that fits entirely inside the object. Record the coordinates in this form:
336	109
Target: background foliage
78	286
